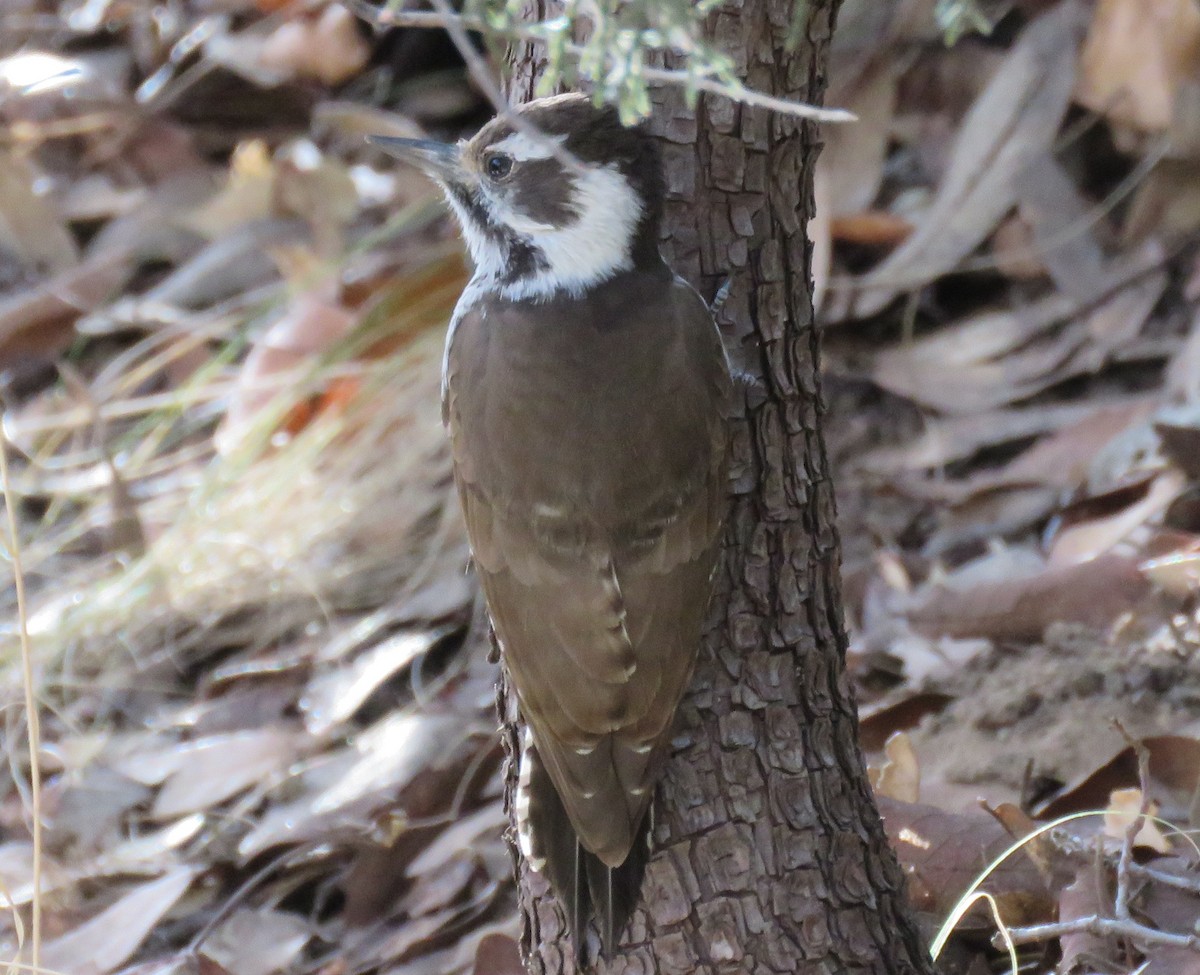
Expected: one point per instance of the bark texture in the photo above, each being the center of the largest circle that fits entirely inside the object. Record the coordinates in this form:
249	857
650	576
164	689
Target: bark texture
770	856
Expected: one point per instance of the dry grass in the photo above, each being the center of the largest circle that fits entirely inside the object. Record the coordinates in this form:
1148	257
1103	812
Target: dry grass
273	539
32	722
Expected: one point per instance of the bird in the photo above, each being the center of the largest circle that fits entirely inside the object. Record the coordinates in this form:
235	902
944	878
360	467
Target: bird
586	391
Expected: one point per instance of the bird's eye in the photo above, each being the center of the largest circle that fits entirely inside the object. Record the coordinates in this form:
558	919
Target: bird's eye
498	165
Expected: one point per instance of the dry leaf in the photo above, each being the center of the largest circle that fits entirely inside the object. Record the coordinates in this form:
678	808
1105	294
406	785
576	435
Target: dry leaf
1178	573
107	941
1081	951
258	942
999	357
900	775
40	322
1124	806
333	696
312	324
822	240
33	232
1137	55
1167	204
870	228
213	769
1083	539
498	954
1172	909
878	722
459	838
1174	776
1062	237
328	49
944	852
948	439
1093	594
1014	252
1010	124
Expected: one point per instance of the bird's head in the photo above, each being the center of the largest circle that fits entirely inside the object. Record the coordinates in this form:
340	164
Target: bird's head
555	201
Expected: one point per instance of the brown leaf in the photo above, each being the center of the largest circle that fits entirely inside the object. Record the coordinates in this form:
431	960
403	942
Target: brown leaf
335	694
213	769
945	852
948	439
999	357
312	324
106	942
40	322
1167	204
819	232
1093	594
1082	538
1061	237
257	942
33	232
1179	433
1124	806
879	721
1171	908
1082	951
1012	122
1137	55
1171	961
900	775
385	761
498	954
328	48
1174	778
1014	252
458	838
870	228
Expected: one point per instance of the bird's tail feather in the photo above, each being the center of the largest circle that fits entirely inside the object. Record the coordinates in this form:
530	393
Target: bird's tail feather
582	882
614	890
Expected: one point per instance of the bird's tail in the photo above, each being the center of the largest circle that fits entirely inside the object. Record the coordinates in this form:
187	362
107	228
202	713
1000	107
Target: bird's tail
582	882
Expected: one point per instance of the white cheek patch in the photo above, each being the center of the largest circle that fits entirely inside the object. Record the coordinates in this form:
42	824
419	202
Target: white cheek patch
590	249
525	147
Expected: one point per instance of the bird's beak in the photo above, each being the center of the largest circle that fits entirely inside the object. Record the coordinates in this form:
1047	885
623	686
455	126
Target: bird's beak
439	159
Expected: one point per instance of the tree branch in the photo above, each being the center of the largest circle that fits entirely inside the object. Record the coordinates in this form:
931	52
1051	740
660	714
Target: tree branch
384	18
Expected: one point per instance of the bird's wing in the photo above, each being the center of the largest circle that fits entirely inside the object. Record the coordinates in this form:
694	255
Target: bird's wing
599	626
599	660
599	629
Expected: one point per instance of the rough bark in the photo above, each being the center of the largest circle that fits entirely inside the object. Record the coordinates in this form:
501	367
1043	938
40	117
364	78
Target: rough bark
770	856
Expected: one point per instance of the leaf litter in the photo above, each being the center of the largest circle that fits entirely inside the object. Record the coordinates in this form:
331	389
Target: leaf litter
269	723
1012	387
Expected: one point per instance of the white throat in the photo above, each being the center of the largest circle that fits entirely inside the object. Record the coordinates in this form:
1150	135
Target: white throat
587	251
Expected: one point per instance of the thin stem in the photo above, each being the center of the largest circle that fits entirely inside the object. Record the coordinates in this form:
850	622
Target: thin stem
1121	903
32	724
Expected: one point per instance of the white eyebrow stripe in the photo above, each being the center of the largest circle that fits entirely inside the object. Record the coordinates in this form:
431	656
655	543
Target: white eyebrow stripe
523	146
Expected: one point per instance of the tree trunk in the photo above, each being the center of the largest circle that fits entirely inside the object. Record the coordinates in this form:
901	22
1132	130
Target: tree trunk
769	853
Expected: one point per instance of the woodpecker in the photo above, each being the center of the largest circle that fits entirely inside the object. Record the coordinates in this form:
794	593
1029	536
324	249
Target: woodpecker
586	392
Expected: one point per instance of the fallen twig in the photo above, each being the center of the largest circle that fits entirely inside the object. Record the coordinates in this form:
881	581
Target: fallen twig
1191	884
1121	901
1105	927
